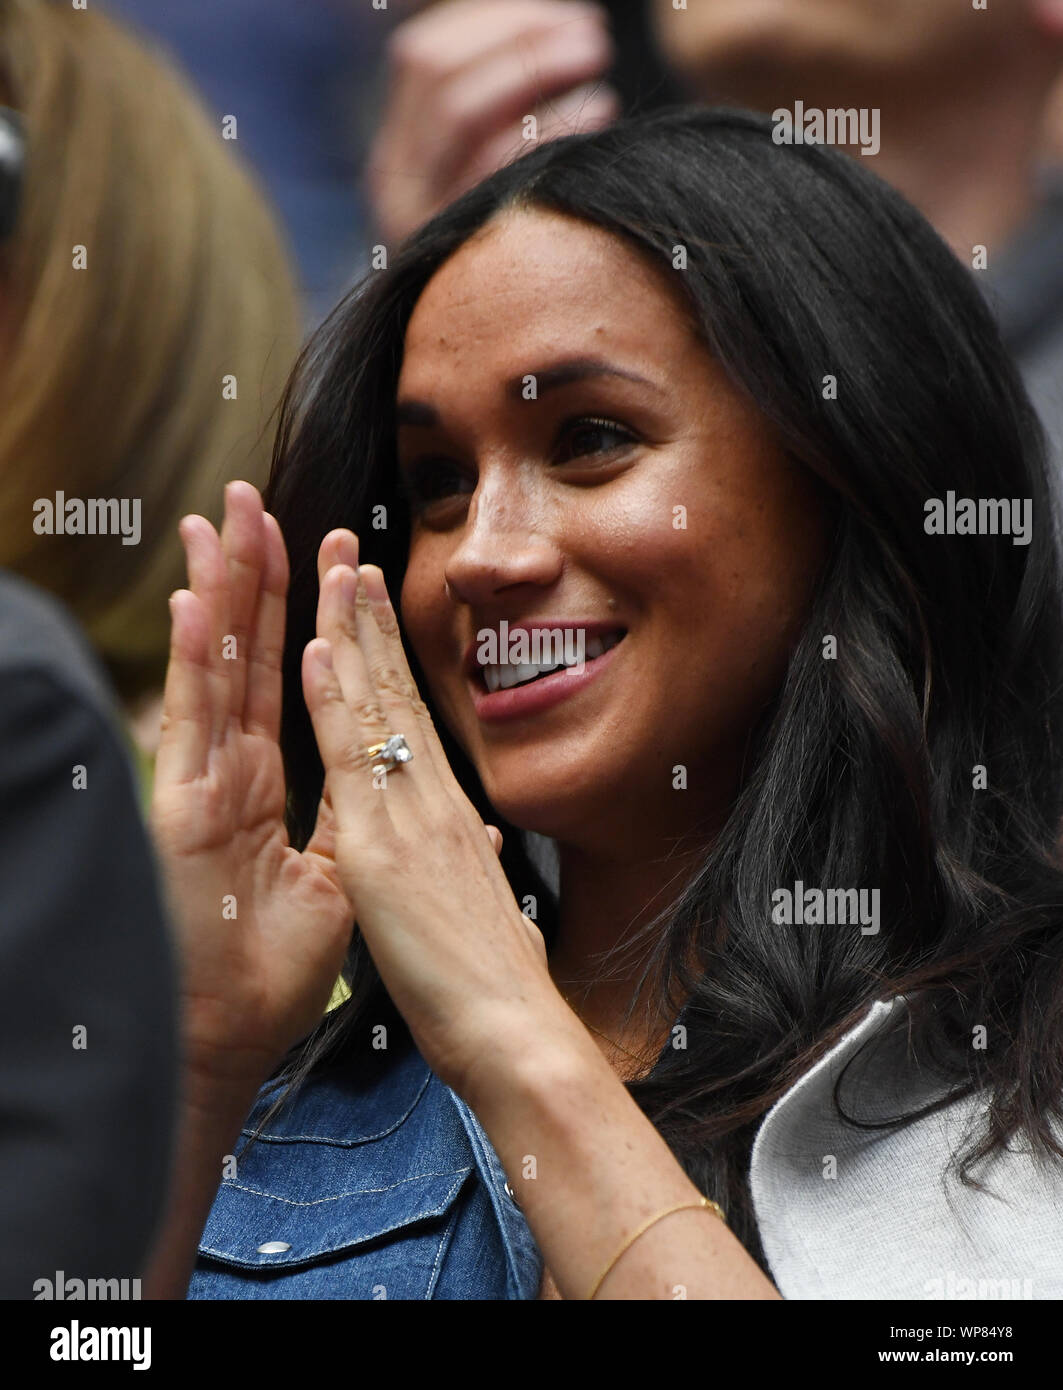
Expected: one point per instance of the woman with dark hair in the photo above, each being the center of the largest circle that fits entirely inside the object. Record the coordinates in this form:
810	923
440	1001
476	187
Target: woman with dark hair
729	419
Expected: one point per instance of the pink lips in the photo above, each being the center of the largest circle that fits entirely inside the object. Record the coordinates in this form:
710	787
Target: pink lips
520	701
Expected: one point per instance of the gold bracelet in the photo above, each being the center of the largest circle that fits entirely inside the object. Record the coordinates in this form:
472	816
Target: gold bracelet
705	1202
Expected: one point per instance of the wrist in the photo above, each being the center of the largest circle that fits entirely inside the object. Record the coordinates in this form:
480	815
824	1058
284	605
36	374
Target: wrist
219	1095
531	1056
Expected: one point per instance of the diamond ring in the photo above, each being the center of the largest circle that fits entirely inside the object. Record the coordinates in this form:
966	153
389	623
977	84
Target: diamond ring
393	751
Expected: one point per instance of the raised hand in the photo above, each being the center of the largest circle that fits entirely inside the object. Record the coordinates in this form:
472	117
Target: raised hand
461	962
263	929
463	78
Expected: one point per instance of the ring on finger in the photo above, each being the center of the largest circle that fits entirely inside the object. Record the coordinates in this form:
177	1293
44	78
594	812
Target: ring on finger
390	753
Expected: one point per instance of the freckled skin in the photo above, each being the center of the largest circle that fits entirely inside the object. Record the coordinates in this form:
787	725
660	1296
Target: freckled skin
711	611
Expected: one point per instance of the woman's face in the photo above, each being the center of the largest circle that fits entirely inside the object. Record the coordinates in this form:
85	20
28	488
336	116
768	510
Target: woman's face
578	462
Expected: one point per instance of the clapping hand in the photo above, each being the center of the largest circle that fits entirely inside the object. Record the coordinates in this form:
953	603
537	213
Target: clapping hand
264	928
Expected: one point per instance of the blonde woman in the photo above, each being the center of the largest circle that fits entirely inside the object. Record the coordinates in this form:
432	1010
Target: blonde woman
149	319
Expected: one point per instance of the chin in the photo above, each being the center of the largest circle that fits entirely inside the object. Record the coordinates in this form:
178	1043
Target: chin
543	813
554	806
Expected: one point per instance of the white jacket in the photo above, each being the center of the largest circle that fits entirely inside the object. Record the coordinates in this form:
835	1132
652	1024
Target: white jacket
849	1213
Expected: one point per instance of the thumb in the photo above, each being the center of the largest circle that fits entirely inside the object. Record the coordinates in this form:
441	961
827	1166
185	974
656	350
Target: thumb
495	836
323	839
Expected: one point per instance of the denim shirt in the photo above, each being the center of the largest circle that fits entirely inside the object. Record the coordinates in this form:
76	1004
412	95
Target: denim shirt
374	1190
391	1189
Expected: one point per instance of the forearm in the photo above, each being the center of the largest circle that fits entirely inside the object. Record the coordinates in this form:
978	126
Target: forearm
588	1169
211	1120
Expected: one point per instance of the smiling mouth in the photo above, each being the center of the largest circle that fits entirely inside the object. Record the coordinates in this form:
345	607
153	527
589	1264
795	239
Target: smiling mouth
493	678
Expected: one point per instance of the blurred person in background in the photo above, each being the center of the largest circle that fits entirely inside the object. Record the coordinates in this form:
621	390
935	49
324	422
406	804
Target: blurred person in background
463	76
149	320
301	81
1053	132
962	92
88	994
307	83
962	95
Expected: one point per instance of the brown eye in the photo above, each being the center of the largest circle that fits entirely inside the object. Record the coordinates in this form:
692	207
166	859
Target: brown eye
429	480
587	436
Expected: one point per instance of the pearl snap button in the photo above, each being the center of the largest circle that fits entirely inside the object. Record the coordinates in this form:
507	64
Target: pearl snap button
273	1247
509	1194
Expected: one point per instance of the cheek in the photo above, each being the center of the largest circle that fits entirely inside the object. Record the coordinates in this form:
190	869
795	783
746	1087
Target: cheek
425	612
732	590
739	546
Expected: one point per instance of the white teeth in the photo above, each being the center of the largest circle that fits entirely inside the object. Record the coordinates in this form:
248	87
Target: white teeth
514	675
505	677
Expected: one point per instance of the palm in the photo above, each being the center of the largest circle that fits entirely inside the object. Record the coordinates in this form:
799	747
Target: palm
263	927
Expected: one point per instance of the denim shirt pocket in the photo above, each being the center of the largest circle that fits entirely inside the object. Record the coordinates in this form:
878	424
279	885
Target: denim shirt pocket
353	1190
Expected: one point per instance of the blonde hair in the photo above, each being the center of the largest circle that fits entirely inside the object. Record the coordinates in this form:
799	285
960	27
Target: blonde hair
111	385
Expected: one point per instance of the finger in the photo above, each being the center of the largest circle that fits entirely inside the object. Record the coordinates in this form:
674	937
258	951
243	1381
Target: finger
389	672
590	107
382	683
404	710
537	938
434	81
323	839
504	87
337	624
262	704
342	741
431	49
184	744
208	578
322	843
340	547
397	693
465	28
243	544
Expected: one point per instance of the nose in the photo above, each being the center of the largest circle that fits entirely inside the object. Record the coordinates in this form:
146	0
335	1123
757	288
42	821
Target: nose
504	543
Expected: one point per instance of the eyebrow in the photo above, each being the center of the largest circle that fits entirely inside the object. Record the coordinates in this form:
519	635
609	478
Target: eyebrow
414	412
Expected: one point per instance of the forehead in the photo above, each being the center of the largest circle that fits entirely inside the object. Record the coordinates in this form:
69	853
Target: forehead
534	282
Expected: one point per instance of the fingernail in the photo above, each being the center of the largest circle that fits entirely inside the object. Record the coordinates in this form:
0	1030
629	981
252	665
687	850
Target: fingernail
349	587
323	655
